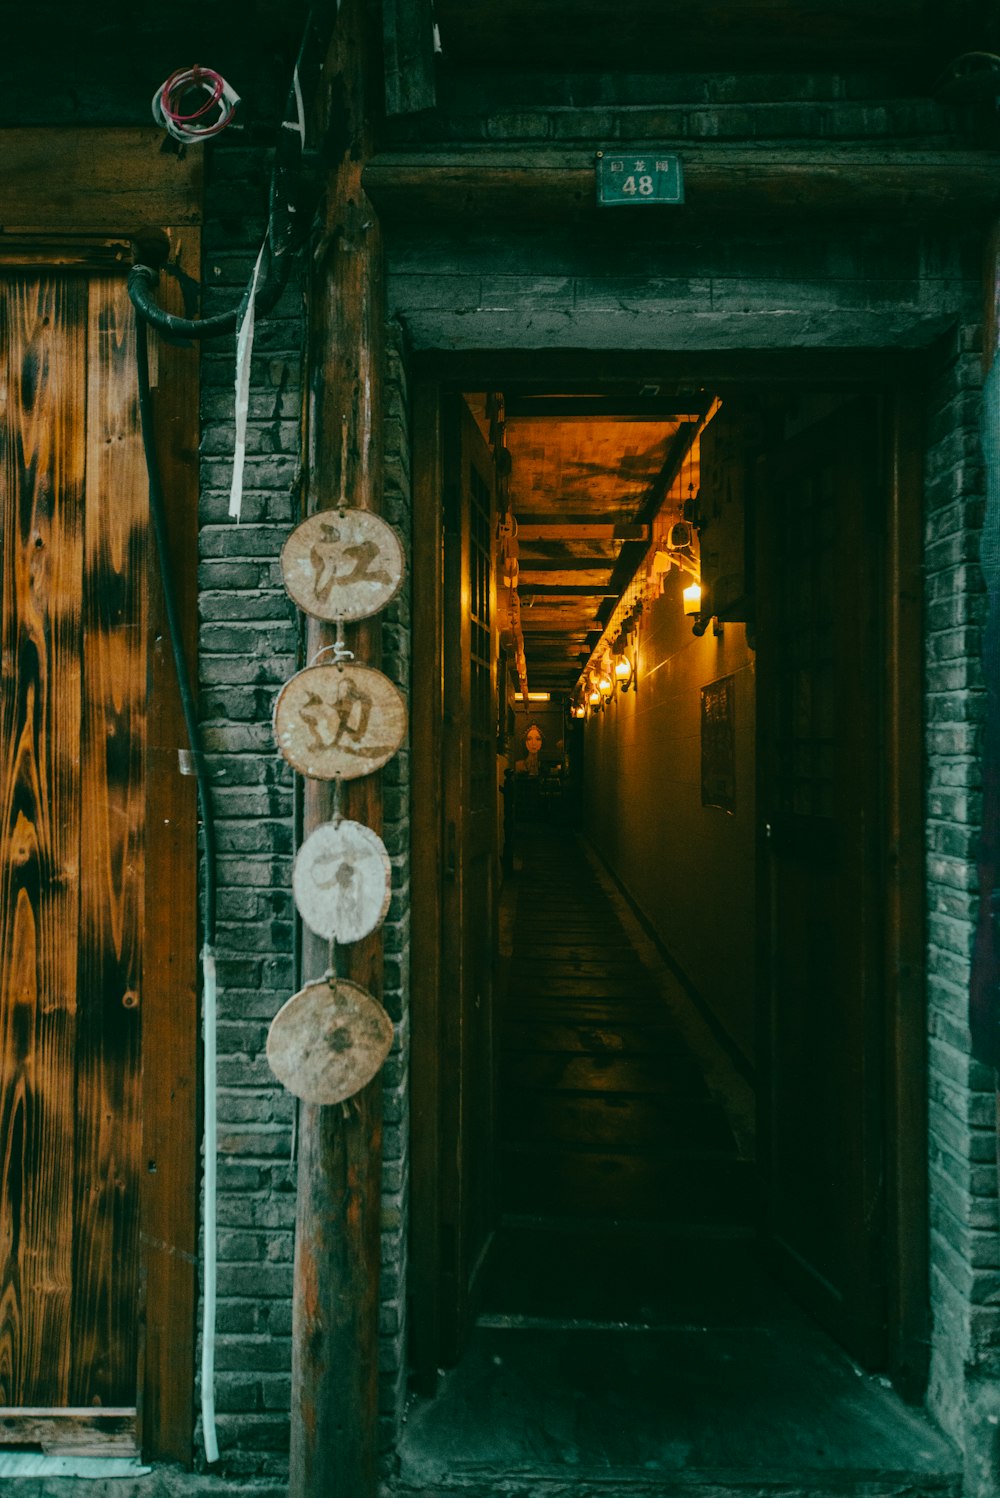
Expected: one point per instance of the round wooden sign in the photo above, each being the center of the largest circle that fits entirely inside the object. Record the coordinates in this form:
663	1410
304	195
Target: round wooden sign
342	564
339	721
341	881
328	1041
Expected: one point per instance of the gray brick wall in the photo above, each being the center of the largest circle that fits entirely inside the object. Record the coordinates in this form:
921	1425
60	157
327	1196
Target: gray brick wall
396	834
964	1391
248	646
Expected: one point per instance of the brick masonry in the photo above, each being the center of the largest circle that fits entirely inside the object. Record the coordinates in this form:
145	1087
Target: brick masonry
964	1392
249	644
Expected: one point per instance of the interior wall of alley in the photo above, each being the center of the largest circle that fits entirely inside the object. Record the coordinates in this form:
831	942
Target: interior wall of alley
686	866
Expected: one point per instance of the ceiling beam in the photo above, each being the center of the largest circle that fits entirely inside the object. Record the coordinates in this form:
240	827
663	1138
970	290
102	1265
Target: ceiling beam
551	528
633	553
566	590
567	564
619	408
522	181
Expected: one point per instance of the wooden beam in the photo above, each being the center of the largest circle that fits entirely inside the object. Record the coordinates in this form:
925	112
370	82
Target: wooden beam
566	590
537	529
408	53
334	1405
617	408
566	564
171	1164
633	553
115	181
536	182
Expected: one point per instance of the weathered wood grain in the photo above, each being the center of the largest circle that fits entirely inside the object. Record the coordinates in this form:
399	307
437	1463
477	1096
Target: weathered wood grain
76	1432
170	1155
42	464
105	1275
528	182
118	181
335	1317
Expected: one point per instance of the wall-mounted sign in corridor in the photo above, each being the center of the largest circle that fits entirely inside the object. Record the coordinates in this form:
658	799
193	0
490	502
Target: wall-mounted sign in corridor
339	721
342	564
654	177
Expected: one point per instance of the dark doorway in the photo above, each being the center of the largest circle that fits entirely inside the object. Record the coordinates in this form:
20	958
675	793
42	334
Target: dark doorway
598	1165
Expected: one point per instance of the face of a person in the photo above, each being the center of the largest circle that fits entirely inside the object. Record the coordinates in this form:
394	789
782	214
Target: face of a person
532	741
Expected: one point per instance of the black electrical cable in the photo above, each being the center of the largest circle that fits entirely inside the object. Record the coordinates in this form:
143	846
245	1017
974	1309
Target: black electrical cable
158	516
286	229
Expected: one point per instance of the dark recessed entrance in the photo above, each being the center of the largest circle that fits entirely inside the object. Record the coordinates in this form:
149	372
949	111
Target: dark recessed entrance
660	1053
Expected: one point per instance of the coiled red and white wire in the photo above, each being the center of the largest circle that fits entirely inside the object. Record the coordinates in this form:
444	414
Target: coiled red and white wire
215	109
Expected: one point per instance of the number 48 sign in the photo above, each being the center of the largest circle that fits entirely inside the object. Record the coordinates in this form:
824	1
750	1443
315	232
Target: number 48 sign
653	178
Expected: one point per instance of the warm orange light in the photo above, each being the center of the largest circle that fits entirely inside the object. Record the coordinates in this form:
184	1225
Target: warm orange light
605	685
692	598
594	697
623	670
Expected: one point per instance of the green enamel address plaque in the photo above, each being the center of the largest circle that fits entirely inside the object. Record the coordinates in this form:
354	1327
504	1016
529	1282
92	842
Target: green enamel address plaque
656	177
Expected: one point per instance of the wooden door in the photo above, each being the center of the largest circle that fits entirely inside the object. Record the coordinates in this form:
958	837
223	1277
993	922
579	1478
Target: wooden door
469	795
73	502
820	671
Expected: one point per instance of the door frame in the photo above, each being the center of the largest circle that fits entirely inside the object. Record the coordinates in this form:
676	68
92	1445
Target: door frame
898	378
104	191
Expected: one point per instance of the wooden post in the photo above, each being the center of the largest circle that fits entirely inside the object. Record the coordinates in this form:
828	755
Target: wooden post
335	1316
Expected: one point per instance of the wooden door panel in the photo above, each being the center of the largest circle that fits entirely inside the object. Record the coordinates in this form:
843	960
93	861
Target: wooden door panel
43	481
71	834
469	811
105	1322
820	672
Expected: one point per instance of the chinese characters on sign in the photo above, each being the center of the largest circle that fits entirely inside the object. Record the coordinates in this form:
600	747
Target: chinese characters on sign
337	722
654	178
342	564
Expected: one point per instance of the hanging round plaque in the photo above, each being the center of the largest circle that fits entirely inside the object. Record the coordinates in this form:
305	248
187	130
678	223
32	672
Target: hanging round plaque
339	721
342	564
328	1041
341	881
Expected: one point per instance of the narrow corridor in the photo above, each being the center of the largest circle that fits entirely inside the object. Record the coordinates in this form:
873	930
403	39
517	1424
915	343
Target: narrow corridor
630	1341
604	1110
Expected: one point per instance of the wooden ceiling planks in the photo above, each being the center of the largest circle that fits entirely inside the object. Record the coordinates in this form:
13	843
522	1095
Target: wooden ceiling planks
587	473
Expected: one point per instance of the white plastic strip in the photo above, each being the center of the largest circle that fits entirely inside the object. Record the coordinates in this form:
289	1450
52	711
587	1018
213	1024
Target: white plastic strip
244	351
211	1147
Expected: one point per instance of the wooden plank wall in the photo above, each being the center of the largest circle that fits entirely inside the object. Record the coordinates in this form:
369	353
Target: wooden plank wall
77	631
74	637
43	472
105	1278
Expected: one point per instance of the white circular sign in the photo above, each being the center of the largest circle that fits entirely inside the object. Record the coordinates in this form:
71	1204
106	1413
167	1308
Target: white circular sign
342	881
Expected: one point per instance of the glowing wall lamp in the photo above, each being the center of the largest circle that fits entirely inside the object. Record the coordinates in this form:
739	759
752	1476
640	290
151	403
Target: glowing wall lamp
692	598
624	670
